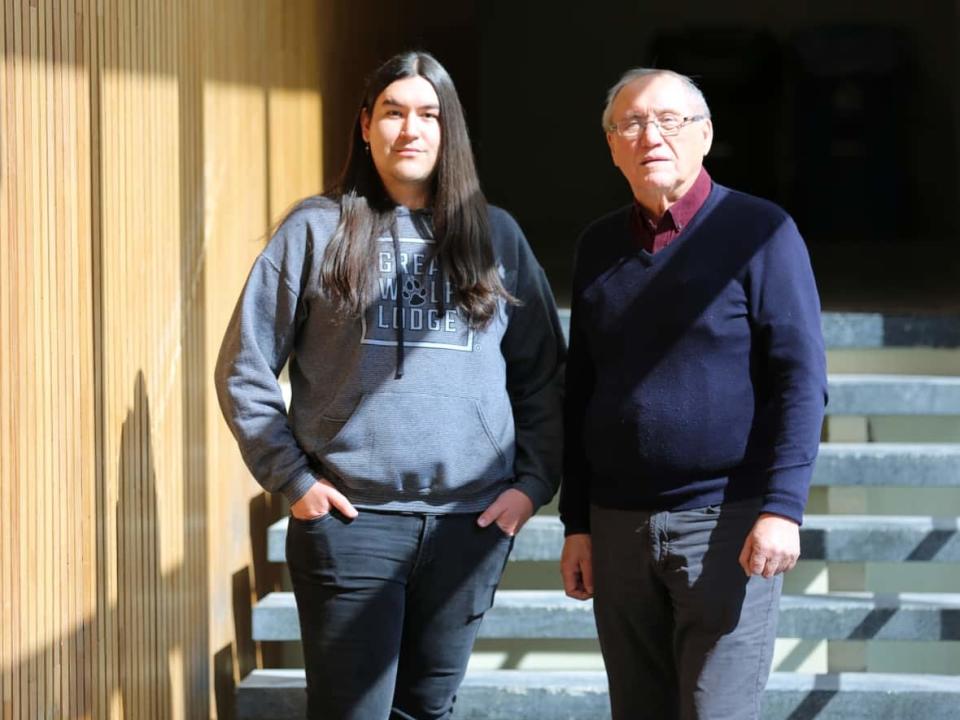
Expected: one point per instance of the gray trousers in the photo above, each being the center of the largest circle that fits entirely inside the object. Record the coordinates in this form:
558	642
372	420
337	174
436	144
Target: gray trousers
684	633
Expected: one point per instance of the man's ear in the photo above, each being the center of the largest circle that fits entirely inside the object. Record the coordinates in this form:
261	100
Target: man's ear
365	125
612	138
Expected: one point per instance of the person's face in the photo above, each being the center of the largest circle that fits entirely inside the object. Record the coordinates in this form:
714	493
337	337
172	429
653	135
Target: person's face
659	168
403	131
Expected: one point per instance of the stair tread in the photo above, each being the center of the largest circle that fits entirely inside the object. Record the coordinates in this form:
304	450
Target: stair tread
556	598
531	614
888	465
888	394
294	677
877	330
563	695
869	330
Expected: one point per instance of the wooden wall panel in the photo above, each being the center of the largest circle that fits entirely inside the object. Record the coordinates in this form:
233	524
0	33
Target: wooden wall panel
146	147
44	328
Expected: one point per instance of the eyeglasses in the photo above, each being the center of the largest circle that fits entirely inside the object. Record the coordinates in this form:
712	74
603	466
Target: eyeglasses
666	125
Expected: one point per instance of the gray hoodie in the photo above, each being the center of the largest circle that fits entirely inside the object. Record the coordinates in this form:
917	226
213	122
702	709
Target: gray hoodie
475	412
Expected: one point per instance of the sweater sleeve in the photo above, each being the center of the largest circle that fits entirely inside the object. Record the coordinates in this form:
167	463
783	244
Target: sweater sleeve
785	316
534	350
575	491
255	348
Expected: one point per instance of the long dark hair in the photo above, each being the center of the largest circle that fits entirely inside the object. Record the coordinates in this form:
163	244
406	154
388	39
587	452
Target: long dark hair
461	227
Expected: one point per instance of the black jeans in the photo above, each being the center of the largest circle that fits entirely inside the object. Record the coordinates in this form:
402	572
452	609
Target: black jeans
389	608
684	633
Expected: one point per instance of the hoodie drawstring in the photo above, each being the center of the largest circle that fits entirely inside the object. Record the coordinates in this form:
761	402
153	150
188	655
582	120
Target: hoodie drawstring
398	300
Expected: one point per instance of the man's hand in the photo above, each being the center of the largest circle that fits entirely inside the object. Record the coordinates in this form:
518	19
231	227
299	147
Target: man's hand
772	546
576	566
510	511
319	500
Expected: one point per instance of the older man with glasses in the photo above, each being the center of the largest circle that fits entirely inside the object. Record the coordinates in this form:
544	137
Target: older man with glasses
696	386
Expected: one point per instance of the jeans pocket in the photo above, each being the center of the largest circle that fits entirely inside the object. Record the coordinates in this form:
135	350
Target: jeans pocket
309	548
709	510
314	521
489	569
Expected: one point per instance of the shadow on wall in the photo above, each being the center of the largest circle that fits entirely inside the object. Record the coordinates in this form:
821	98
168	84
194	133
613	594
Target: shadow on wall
143	633
143	645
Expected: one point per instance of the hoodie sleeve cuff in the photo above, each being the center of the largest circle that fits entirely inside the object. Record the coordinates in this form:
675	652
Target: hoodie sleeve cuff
535	490
298	486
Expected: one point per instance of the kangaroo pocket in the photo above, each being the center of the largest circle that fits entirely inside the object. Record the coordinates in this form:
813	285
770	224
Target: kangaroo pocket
417	444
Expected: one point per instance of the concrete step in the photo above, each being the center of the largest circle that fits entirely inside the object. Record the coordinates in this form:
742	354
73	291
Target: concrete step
525	695
873	330
888	465
874	538
838	538
855	394
550	614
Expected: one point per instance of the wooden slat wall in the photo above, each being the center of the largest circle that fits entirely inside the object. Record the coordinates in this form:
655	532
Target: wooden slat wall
146	146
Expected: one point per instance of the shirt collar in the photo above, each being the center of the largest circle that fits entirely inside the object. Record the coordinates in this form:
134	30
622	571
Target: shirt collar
683	210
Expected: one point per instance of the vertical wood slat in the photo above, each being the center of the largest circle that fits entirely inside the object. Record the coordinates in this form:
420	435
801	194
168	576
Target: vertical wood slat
58	326
53	103
6	650
41	445
6	440
31	268
46	447
67	70
6	654
95	55
12	59
89	381
107	610
37	151
61	326
11	440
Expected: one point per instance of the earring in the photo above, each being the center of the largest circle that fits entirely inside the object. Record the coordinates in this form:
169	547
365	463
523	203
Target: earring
366	148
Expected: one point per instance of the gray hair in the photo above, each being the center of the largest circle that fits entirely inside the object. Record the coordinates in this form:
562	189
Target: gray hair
635	74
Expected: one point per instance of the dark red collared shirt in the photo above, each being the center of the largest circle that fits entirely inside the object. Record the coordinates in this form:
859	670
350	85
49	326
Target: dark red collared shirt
654	237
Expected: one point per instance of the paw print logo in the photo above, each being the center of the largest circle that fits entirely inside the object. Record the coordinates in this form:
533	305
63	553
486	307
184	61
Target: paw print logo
414	293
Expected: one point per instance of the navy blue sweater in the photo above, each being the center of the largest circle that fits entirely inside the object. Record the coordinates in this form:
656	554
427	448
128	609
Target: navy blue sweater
695	375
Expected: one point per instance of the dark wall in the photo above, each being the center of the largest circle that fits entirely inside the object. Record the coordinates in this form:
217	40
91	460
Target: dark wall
846	113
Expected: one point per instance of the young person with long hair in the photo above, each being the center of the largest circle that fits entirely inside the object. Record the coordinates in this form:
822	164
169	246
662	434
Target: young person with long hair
424	425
